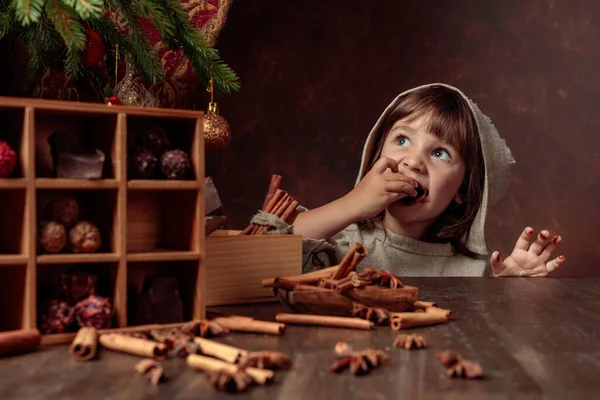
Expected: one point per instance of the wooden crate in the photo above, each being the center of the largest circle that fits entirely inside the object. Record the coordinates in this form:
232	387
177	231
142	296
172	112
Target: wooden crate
236	265
146	225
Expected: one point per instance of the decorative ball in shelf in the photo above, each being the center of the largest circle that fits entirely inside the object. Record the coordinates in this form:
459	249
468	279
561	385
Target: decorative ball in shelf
84	237
8	159
53	237
94	311
143	164
154	139
57	317
65	210
175	164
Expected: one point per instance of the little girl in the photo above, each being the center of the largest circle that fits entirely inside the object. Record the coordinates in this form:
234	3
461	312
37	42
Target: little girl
433	138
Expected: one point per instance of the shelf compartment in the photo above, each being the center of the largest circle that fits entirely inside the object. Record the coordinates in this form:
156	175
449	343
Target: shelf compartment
162	221
50	287
12	133
179	133
90	131
91	184
96	206
13	183
162	292
12	216
12	296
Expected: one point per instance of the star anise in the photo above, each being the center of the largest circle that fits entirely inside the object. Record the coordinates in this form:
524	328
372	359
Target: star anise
357	362
231	382
151	369
211	329
379	316
410	341
179	344
266	360
457	366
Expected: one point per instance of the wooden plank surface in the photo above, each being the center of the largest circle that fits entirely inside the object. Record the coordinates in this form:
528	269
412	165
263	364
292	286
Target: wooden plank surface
535	338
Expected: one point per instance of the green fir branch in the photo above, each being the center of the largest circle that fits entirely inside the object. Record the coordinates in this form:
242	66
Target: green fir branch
73	64
154	11
204	59
29	11
66	23
86	9
145	56
7	20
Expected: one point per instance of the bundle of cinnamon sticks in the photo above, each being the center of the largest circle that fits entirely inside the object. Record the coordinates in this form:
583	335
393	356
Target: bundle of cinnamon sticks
372	295
277	202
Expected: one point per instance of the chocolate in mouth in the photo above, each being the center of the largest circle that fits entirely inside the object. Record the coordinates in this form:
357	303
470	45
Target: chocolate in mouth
421	194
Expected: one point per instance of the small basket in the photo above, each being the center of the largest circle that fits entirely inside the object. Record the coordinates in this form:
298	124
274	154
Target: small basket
80	165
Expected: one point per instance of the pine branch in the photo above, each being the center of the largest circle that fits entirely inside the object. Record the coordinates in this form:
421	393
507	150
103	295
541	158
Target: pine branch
154	11
86	9
73	64
7	20
144	57
203	58
29	11
66	24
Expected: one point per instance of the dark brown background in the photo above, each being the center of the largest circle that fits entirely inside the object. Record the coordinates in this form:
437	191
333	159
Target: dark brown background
316	77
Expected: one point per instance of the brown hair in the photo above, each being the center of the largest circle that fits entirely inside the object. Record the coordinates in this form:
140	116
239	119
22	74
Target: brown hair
451	120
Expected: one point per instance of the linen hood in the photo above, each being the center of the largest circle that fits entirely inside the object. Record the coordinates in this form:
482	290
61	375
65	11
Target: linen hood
497	163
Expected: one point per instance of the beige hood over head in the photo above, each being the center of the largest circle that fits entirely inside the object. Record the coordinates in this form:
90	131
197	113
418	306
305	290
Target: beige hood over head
497	159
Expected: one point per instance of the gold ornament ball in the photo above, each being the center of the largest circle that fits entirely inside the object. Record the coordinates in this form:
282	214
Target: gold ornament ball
217	132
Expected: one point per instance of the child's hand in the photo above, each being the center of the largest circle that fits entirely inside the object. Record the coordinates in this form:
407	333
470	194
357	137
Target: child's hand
529	259
379	188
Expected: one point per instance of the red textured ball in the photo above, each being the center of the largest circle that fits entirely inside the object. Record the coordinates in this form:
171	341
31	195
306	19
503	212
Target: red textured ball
8	159
95	49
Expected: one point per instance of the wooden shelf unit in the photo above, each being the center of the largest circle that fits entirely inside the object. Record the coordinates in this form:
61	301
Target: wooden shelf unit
146	226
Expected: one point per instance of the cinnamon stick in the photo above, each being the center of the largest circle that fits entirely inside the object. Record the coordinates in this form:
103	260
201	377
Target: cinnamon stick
446	313
250	325
133	345
324	320
252	228
19	341
352	258
143	328
308	278
405	320
85	344
220	350
208	364
274	185
424	304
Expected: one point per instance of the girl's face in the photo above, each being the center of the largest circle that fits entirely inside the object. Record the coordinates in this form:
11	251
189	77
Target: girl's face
431	161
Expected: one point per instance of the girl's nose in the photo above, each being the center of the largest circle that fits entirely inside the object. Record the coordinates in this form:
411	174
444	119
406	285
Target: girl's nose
413	162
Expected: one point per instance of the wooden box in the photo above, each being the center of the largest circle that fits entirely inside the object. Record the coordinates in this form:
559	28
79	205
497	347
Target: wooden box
146	226
236	265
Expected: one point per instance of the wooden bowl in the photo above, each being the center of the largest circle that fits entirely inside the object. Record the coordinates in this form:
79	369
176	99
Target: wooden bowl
331	302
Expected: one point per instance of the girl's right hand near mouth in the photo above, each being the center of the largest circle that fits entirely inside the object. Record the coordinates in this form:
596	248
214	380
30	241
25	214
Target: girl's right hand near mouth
378	189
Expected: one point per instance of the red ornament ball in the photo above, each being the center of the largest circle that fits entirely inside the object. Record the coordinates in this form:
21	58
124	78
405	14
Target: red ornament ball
95	49
8	159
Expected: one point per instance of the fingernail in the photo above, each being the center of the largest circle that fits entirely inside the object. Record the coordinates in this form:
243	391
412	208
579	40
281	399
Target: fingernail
556	239
529	231
544	235
561	258
497	258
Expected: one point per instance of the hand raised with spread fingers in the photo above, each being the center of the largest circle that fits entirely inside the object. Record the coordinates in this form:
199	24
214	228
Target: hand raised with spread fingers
529	258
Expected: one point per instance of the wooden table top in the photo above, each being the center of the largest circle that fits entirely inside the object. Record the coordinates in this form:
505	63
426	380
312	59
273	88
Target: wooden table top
534	338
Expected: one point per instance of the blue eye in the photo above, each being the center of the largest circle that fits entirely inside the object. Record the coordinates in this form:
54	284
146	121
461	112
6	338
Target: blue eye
402	141
442	154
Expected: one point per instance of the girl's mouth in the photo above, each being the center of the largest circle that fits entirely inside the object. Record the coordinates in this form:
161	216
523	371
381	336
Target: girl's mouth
422	196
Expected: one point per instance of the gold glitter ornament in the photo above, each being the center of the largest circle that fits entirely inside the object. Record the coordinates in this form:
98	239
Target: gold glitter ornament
217	132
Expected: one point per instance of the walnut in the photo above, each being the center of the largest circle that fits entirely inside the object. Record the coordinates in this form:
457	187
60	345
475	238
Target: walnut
357	362
410	341
267	360
226	381
457	366
379	316
53	237
151	369
85	237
